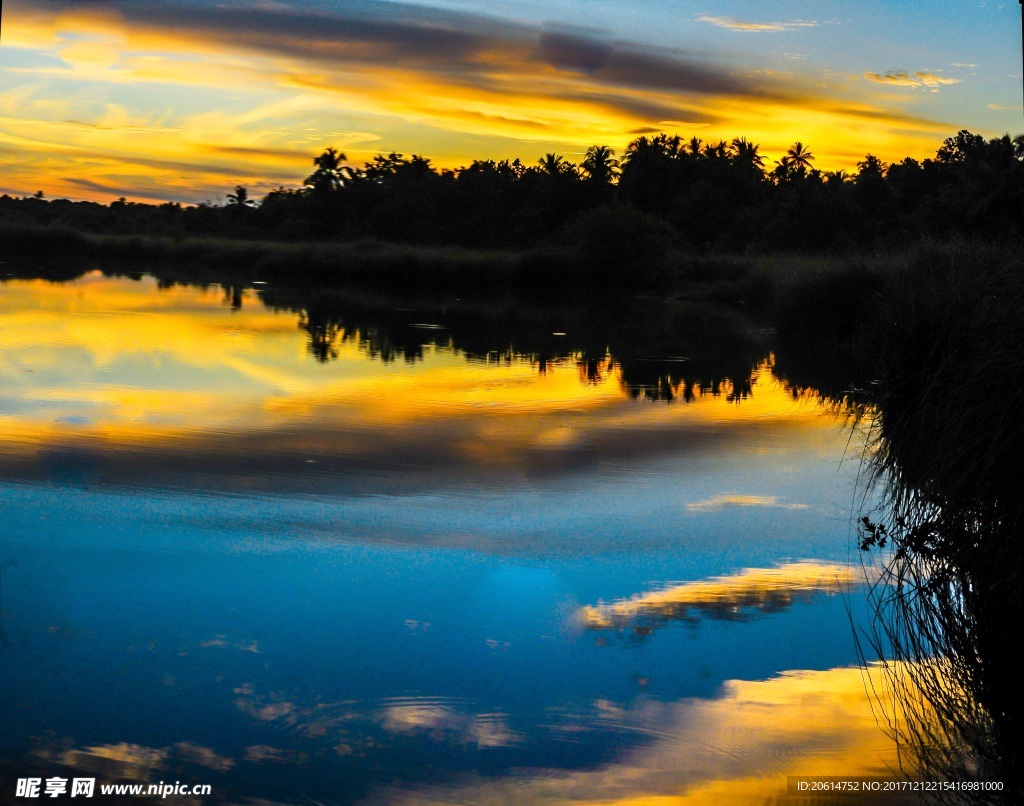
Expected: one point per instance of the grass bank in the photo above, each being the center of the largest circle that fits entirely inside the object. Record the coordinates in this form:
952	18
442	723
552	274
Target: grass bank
822	297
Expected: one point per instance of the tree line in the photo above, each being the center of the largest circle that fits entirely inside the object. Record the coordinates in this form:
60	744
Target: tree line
717	196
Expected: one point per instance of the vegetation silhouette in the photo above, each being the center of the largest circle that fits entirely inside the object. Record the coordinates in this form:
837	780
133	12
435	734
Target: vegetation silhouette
935	364
950	448
240	198
703	197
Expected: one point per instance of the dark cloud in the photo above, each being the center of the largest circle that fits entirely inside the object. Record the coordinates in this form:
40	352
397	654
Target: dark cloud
673	73
565	50
372	32
321	43
102	187
161	192
452	45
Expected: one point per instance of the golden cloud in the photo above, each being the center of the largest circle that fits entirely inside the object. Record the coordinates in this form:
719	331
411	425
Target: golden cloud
902	78
743	25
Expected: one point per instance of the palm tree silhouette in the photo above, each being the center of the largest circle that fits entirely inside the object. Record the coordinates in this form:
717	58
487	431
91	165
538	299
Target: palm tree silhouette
871	165
783	169
669	146
800	157
240	198
717	150
329	174
745	153
600	165
554	164
645	148
638	149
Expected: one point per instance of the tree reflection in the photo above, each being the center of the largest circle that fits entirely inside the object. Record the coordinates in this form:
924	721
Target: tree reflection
233	295
323	335
656	350
330	325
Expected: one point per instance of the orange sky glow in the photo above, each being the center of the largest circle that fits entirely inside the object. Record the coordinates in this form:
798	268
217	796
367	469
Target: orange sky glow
182	101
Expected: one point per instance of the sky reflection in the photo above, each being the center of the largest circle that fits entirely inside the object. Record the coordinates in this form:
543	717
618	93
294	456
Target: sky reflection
736	748
369	580
103	375
802	723
738	597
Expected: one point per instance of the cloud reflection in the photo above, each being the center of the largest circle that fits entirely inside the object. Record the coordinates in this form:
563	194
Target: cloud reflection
720	502
443	723
203	756
736	749
119	761
350	726
729	598
230	401
125	761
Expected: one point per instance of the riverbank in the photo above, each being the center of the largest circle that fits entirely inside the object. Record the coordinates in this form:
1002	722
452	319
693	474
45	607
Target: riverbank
587	262
830	310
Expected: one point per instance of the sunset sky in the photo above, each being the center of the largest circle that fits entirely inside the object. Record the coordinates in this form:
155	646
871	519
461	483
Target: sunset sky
181	100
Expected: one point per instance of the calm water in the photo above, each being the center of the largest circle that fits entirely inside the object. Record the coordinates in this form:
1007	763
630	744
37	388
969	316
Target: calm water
310	561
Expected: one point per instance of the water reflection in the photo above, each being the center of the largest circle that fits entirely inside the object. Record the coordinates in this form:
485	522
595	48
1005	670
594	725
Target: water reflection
229	402
349	549
734	748
118	762
737	748
733	598
661	350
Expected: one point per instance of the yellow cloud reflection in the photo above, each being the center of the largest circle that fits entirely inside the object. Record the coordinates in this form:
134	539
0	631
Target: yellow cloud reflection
349	725
735	749
117	373
418	717
203	756
121	761
720	502
486	731
727	597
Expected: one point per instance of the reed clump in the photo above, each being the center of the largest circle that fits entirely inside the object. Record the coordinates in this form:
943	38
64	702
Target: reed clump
949	449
